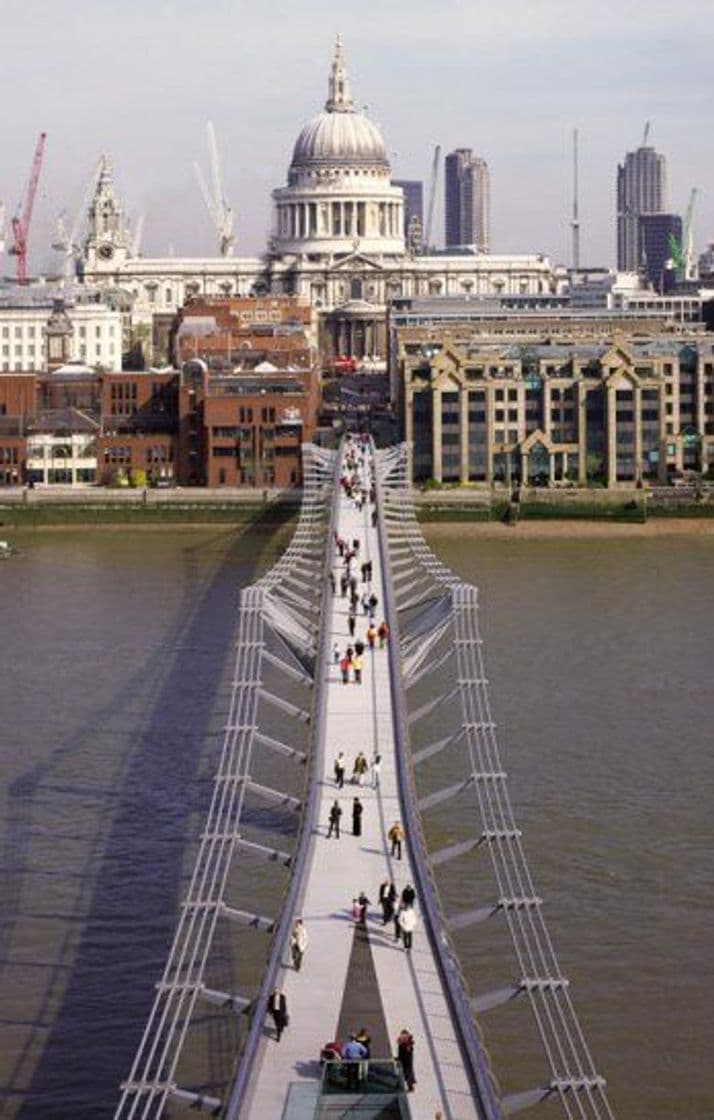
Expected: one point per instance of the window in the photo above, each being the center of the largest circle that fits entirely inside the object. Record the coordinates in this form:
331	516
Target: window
117	455
245	415
97	332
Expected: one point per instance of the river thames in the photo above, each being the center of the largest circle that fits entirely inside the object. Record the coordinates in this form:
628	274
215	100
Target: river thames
115	664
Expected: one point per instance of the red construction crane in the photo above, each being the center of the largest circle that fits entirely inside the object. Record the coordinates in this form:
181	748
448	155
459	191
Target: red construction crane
21	221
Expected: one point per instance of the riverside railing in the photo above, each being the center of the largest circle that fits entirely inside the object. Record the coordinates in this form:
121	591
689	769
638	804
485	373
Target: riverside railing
433	617
277	639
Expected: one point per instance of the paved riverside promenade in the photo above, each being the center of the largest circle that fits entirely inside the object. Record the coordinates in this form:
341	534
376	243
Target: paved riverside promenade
350	980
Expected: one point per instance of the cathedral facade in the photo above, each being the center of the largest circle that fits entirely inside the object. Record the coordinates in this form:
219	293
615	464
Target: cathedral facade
337	242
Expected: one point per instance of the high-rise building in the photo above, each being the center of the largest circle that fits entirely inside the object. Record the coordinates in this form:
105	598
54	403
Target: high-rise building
467	217
657	232
413	211
641	189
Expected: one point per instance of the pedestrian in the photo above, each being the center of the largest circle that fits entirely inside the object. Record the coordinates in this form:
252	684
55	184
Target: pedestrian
396	836
371	635
405	1057
357	666
345	669
373	600
383	634
365	604
298	943
374	518
340	770
278	1009
364	1038
354	600
363	902
357	810
408	895
343	586
353	583
353	1054
355	546
333	582
396	913
364	569
387	898
349	652
407	924
376	770
336	653
359	647
359	769
335	814
351	620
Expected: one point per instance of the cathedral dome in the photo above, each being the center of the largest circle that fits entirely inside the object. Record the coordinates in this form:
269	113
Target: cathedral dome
340	138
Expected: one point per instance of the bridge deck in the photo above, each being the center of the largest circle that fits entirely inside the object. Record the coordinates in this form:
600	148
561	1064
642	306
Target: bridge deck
346	981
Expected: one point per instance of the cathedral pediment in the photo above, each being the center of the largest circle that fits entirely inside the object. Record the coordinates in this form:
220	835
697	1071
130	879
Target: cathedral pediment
358	261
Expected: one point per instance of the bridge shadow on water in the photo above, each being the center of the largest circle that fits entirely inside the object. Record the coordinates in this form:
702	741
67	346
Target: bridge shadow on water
136	868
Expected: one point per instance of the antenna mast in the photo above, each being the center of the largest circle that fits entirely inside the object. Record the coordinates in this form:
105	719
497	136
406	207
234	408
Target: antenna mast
575	221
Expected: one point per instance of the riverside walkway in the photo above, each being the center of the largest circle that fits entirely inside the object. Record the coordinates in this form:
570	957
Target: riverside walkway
422	706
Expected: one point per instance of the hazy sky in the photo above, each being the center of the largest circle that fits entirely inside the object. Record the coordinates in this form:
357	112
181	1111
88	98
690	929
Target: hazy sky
140	79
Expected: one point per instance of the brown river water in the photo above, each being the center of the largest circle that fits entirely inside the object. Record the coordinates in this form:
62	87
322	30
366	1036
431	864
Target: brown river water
116	651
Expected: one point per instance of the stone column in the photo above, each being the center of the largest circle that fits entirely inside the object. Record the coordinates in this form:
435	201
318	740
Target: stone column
637	403
436	434
582	434
546	408
464	433
610	436
488	405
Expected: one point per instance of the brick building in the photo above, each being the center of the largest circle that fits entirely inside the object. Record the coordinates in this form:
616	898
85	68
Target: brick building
235	414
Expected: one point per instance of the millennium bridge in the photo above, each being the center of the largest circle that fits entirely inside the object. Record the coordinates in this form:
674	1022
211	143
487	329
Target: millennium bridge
423	707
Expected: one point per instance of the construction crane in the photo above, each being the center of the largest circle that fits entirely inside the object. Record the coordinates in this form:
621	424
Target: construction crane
66	240
23	217
432	196
218	209
682	252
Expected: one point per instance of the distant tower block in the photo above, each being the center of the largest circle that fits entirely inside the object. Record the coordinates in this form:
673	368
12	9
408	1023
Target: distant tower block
641	189
467	218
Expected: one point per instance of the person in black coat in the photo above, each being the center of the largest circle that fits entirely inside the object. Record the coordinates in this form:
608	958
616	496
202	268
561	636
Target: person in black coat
278	1010
405	1056
408	895
357	809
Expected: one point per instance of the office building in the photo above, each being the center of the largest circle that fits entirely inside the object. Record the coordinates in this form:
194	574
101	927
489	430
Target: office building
641	189
494	397
467	201
657	232
413	212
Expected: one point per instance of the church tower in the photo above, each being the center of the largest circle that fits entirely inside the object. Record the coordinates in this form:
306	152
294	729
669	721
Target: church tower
107	244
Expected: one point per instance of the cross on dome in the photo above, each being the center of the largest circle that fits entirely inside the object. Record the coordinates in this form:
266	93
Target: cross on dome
339	95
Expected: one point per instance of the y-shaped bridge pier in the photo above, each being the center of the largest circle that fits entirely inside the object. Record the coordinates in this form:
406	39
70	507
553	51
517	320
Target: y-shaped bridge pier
422	706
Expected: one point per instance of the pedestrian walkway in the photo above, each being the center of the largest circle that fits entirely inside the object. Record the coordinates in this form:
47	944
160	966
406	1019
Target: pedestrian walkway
352	977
